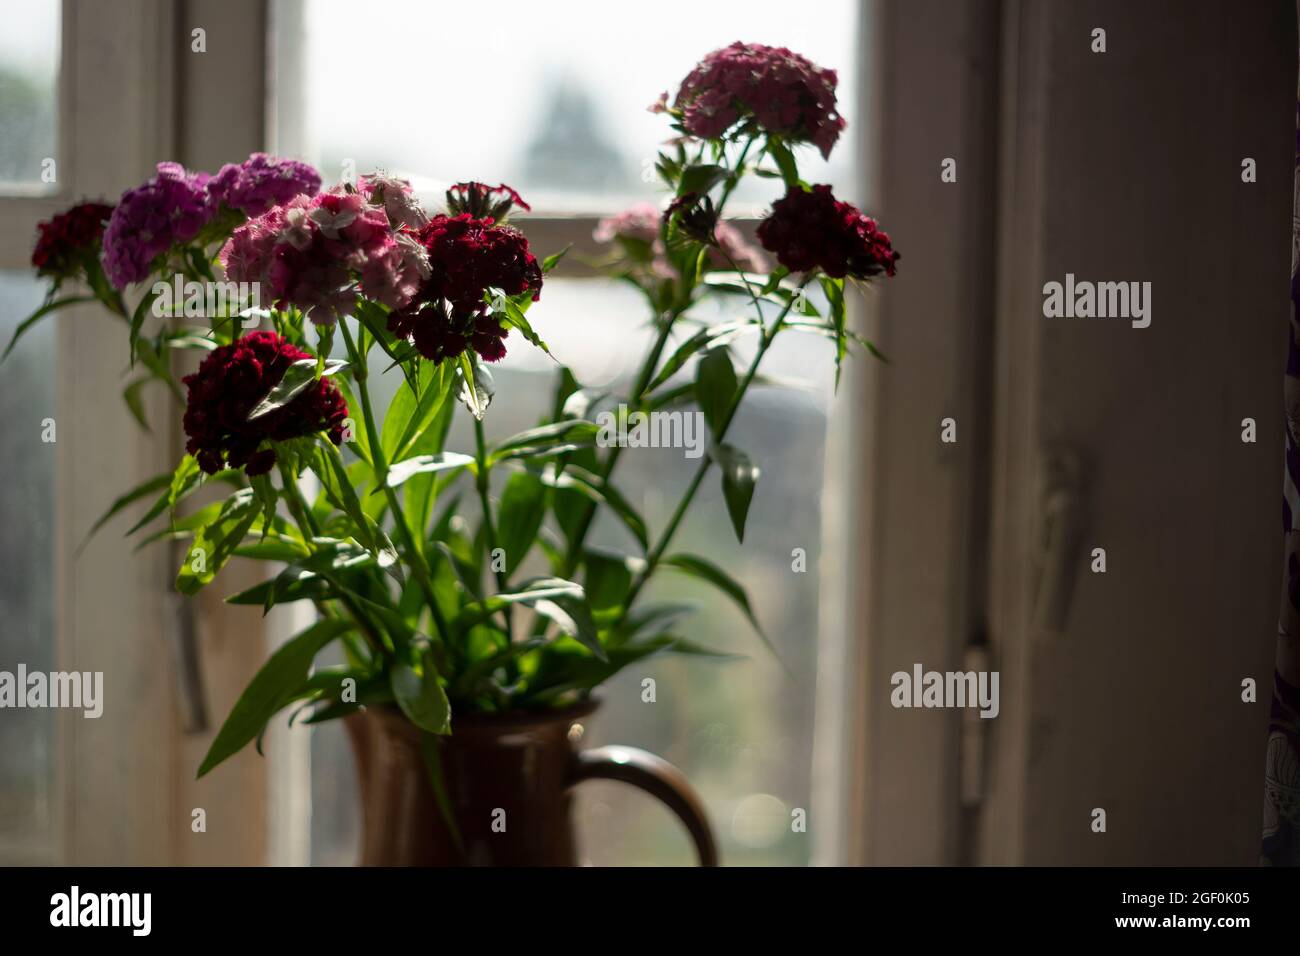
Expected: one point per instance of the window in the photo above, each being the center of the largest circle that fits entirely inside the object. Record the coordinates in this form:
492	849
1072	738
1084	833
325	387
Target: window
29	72
563	119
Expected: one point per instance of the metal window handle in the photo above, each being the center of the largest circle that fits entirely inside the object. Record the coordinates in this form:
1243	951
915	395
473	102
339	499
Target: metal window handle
1060	523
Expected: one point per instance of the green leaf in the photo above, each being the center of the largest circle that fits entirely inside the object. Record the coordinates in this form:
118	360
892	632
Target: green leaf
709	572
603	491
834	289
551	261
271	689
422	415
131	395
572	614
529	593
41	313
700	179
523	503
515	319
396	418
135	494
185	478
215	544
551	438
424	464
296	378
739	475
421	697
305	588
711	335
137	319
474	386
715	387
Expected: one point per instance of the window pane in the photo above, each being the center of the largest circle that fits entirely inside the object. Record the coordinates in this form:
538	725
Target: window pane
27	396
29	74
548	98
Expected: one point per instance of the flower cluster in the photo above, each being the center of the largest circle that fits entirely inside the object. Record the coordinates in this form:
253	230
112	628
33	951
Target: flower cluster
262	181
811	229
637	228
230	383
69	242
167	210
785	93
311	251
467	256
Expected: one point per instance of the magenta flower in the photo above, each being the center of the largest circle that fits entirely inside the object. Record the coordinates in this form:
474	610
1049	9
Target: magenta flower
166	211
263	181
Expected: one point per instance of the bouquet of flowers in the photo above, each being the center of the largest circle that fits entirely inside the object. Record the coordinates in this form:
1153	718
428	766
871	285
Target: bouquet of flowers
410	551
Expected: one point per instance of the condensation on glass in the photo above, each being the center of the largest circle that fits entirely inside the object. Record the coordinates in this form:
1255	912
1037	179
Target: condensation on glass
29	81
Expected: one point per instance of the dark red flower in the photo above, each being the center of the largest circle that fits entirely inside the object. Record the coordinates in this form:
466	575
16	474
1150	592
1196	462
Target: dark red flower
440	332
230	383
484	202
70	240
467	257
811	229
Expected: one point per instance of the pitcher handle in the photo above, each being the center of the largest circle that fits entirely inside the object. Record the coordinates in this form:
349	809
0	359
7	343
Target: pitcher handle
657	777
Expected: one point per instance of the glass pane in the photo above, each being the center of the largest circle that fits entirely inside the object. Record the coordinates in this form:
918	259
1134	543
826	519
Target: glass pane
548	98
741	730
27	397
29	75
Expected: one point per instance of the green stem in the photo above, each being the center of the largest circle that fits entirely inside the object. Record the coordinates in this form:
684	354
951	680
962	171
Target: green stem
607	468
482	482
657	553
647	371
307	525
414	556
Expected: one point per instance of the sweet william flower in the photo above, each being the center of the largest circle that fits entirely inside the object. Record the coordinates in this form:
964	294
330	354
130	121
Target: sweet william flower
230	383
811	229
69	243
397	198
166	211
467	256
262	181
783	92
317	252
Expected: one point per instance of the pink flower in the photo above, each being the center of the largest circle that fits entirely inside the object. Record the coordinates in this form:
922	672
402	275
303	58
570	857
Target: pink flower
784	93
397	198
639	222
317	252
